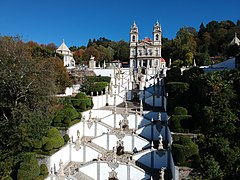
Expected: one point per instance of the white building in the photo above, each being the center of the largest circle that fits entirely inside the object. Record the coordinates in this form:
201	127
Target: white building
68	59
235	40
146	52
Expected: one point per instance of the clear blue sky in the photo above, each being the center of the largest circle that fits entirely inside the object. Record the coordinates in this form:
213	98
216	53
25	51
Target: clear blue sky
76	21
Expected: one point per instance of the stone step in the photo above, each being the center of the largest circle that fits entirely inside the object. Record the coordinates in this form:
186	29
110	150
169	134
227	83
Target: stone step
82	176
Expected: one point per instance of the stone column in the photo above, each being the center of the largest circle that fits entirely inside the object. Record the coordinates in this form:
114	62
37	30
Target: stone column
152	156
95	128
119	87
84	123
136	123
152	129
84	152
128	171
133	139
108	139
98	169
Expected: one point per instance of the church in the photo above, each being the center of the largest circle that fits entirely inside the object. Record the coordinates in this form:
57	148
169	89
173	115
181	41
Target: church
146	52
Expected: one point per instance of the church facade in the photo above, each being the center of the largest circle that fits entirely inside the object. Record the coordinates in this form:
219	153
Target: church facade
146	52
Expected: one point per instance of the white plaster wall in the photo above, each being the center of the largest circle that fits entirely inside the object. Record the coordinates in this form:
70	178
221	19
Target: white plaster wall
89	131
99	101
90	170
122	172
104	169
134	173
158	101
72	131
158	161
90	154
112	141
110	120
100	129
77	155
104	72
101	141
62	154
139	143
96	113
154	115
127	143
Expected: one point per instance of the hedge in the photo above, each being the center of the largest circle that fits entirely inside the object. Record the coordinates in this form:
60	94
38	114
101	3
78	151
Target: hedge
99	86
38	144
29	168
175	122
48	146
80	95
184	149
179	110
44	171
68	112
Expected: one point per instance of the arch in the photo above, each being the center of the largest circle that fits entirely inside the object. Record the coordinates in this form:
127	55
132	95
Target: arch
157	37
133	38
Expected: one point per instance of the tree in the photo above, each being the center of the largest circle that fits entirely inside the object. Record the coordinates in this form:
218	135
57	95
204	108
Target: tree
27	86
122	51
212	168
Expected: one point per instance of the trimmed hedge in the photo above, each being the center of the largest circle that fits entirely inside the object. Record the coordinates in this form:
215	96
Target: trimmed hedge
99	86
44	171
179	110
65	116
176	124
37	144
29	168
80	95
48	146
183	150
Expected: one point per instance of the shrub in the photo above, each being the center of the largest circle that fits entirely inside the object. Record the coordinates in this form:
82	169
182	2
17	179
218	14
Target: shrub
178	110
178	154
8	178
57	142
99	86
48	146
74	122
29	168
82	106
38	144
53	132
66	138
176	122
66	120
80	95
44	171
40	177
76	102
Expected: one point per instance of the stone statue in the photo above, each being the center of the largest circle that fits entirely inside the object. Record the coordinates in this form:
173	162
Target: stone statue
160	145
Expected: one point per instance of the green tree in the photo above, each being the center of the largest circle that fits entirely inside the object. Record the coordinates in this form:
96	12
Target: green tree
212	169
27	87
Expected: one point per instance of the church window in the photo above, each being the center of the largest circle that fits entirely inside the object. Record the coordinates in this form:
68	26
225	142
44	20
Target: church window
157	37
150	51
133	38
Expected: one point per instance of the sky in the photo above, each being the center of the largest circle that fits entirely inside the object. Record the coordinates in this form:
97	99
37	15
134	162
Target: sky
77	21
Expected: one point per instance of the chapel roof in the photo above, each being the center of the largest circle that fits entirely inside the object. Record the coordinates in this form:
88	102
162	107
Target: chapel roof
235	40
63	47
